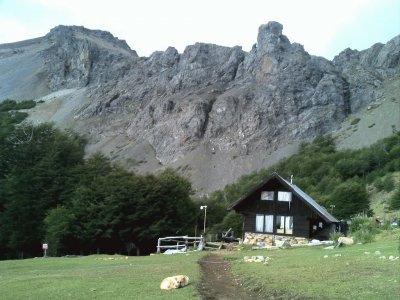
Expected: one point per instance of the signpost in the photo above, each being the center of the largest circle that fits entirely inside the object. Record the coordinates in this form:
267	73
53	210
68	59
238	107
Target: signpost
45	247
205	217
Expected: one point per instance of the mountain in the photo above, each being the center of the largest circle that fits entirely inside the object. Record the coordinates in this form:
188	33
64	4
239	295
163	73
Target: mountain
212	112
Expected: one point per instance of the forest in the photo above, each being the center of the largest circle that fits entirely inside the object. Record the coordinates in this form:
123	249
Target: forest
51	193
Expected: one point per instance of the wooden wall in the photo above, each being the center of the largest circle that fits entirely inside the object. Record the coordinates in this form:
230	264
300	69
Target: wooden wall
303	216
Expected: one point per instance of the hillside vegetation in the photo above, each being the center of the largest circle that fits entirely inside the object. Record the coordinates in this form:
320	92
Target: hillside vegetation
50	193
343	178
9	114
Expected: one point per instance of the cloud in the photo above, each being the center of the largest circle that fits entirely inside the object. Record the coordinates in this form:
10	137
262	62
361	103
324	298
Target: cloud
15	30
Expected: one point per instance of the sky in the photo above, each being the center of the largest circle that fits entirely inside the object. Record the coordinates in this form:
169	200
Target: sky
323	27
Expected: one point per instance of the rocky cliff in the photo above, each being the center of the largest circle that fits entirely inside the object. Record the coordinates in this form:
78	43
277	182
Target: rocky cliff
212	112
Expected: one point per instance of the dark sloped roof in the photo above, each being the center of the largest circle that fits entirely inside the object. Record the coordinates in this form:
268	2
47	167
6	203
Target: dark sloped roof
297	191
322	211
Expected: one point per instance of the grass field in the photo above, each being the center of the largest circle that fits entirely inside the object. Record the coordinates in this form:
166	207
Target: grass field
98	277
352	272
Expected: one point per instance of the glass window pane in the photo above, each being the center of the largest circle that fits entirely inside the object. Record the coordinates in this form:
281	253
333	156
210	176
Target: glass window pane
259	223
284	225
269	221
289	225
285	196
265	195
280	224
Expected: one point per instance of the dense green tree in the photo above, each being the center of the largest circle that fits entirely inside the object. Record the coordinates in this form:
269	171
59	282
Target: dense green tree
164	208
9	118
349	167
394	202
231	221
38	162
321	144
385	183
117	209
96	166
47	191
322	172
95	204
59	223
349	198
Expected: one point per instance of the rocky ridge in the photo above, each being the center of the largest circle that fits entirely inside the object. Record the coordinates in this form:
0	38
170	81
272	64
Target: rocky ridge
212	112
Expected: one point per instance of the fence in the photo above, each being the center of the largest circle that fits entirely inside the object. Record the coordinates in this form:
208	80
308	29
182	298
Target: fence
177	242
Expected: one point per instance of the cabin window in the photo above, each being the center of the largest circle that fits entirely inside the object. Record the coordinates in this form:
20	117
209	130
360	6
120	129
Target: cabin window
259	223
284	224
269	223
285	196
264	223
266	195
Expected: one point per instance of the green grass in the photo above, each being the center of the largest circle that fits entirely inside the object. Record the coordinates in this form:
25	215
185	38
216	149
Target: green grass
98	277
304	273
297	273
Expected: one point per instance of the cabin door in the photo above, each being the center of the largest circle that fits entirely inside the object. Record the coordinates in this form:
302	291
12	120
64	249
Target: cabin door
315	228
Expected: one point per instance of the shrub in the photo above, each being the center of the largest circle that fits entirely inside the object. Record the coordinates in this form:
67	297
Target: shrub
359	222
386	183
231	220
335	236
362	230
387	225
8	105
394	201
364	236
26	104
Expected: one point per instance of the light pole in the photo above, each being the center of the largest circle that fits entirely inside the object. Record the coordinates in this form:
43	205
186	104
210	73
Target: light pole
205	217
332	207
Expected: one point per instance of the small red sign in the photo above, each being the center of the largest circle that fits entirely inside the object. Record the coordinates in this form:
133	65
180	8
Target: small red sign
45	246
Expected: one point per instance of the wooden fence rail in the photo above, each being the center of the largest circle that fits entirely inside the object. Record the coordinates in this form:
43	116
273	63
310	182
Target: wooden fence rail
179	242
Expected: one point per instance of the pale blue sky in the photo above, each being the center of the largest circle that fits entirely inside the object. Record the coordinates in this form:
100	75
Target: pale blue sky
324	27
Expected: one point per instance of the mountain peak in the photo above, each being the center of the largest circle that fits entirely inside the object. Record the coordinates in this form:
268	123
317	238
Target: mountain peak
66	32
271	27
212	112
270	37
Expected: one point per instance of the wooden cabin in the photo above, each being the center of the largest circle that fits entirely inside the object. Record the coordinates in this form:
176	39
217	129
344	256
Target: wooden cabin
278	208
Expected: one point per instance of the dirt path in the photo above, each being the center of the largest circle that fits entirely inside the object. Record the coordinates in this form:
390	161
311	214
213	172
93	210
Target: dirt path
219	283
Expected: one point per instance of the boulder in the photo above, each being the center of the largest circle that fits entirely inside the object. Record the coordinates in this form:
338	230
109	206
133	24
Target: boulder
345	241
282	244
259	259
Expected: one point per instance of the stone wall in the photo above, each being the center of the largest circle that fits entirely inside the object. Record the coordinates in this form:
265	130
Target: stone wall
265	240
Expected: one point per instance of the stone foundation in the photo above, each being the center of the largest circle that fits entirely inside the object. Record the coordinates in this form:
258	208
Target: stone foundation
264	240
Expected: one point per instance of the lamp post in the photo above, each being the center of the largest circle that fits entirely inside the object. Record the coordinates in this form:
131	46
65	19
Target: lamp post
332	207
205	217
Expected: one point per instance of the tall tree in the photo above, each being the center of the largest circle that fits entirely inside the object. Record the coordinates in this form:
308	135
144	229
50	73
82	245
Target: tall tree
39	161
349	198
59	223
159	206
